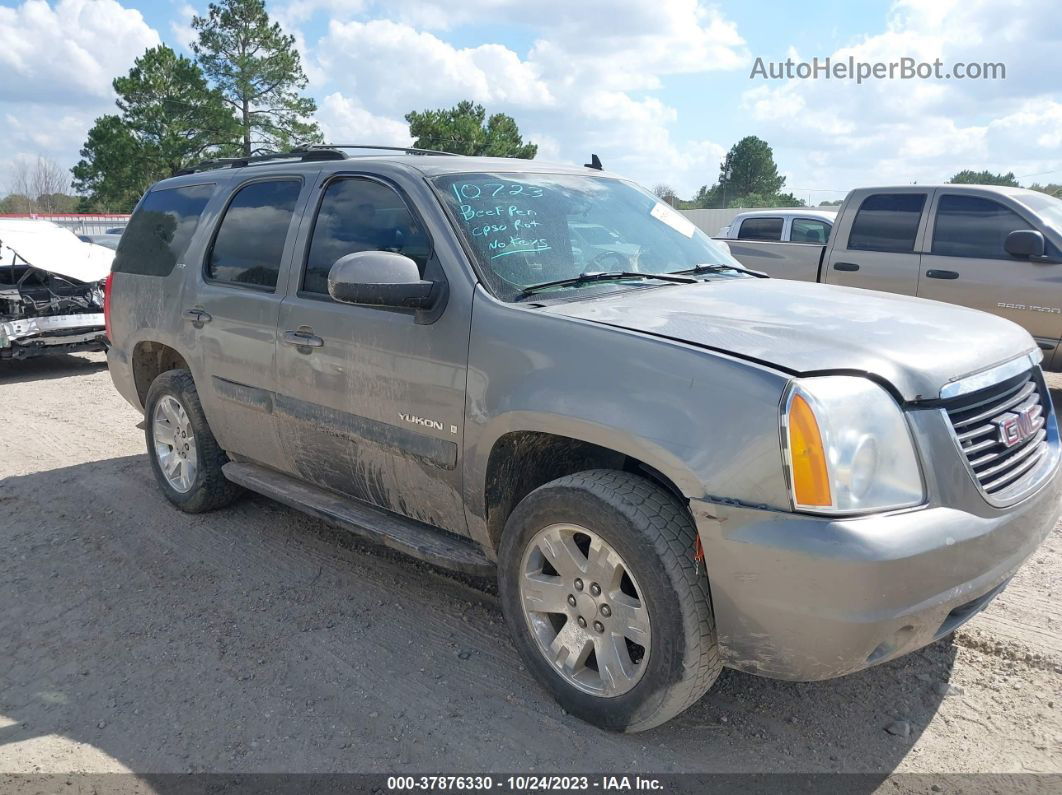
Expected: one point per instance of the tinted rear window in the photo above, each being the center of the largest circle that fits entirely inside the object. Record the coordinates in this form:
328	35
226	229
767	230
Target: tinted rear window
761	229
250	241
887	222
160	230
809	230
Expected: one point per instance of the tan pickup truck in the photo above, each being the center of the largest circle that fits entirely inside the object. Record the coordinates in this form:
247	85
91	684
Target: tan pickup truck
990	248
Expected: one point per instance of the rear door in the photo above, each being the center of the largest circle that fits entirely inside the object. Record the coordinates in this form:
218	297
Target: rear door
965	263
877	246
370	400
230	315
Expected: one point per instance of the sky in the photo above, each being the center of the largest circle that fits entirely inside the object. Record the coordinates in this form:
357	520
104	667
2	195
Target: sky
659	89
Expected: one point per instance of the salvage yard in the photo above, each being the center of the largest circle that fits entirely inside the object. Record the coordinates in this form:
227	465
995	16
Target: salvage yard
256	639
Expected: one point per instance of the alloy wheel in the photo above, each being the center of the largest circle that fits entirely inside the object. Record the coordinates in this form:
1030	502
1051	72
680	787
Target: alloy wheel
174	444
583	605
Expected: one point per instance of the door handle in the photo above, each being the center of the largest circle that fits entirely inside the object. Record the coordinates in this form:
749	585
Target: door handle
198	316
935	274
303	337
845	266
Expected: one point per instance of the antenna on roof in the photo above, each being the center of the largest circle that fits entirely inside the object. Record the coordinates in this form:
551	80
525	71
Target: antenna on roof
595	162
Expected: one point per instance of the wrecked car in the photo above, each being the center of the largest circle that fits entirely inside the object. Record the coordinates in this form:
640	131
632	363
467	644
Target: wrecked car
51	290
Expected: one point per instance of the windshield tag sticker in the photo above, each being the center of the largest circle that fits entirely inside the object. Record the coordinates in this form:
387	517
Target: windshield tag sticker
665	214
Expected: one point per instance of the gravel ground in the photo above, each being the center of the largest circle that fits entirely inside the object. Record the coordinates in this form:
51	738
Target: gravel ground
256	640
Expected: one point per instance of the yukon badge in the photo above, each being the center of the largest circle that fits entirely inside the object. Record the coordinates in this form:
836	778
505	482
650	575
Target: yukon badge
415	420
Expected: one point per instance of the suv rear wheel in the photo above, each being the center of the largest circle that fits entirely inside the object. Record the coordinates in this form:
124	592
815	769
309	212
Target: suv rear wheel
605	601
184	454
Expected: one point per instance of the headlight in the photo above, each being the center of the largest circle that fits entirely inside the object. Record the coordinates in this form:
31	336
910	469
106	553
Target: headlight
848	448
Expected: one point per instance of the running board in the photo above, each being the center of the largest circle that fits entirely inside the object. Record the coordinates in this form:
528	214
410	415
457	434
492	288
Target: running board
413	538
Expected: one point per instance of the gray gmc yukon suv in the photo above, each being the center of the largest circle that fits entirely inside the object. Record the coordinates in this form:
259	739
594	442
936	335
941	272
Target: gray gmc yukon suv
671	464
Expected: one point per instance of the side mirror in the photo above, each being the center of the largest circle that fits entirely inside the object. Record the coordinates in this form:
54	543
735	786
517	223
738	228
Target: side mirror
1025	243
379	278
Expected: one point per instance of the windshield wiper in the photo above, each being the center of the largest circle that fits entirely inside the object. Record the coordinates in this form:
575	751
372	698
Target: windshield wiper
602	276
712	268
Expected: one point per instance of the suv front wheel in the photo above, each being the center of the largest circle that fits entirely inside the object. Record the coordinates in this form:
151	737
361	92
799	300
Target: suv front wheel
605	600
184	454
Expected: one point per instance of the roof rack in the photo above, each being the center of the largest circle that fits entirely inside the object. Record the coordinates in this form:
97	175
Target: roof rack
311	153
409	150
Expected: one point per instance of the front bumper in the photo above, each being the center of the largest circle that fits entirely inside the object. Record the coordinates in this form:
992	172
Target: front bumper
24	338
806	598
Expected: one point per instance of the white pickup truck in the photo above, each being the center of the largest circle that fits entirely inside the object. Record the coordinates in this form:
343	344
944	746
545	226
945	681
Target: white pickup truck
798	225
990	248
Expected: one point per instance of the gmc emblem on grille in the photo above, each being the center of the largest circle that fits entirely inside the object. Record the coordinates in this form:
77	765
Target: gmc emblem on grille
1016	426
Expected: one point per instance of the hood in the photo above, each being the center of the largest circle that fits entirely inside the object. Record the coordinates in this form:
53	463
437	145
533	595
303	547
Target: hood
914	344
50	247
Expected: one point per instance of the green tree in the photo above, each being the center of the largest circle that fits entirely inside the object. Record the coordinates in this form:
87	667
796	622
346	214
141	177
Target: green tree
749	169
57	203
766	200
114	170
968	177
17	204
748	177
259	72
465	130
707	197
1052	188
169	118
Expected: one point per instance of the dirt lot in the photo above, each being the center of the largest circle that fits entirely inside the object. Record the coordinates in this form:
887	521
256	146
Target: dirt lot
255	639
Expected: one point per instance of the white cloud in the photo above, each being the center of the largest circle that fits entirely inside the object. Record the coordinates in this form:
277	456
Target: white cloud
582	83
388	63
181	28
843	134
58	63
343	121
69	53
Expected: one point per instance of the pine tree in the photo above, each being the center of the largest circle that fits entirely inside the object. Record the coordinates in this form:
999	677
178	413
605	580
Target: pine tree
257	69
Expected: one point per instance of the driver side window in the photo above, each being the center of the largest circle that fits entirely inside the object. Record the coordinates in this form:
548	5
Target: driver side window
360	215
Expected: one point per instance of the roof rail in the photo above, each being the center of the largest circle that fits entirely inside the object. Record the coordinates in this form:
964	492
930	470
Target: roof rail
308	154
409	150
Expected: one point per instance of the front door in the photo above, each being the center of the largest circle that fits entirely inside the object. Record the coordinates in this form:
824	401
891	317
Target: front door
967	264
370	400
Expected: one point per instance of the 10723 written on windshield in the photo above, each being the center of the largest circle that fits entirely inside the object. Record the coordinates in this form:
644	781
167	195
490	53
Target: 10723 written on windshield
504	215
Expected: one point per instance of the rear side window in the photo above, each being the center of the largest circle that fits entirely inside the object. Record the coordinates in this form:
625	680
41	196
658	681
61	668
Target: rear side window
160	230
761	229
250	240
361	215
887	222
809	230
969	226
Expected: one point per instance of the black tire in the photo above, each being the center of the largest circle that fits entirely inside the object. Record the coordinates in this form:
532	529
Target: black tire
656	538
211	489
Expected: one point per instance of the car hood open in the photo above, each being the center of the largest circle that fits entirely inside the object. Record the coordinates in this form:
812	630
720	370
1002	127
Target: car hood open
918	346
52	248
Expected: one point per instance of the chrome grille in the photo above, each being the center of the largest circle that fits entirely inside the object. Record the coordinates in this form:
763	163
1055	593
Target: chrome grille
1002	431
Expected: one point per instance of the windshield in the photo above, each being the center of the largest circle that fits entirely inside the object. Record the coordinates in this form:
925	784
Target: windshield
527	229
1046	207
